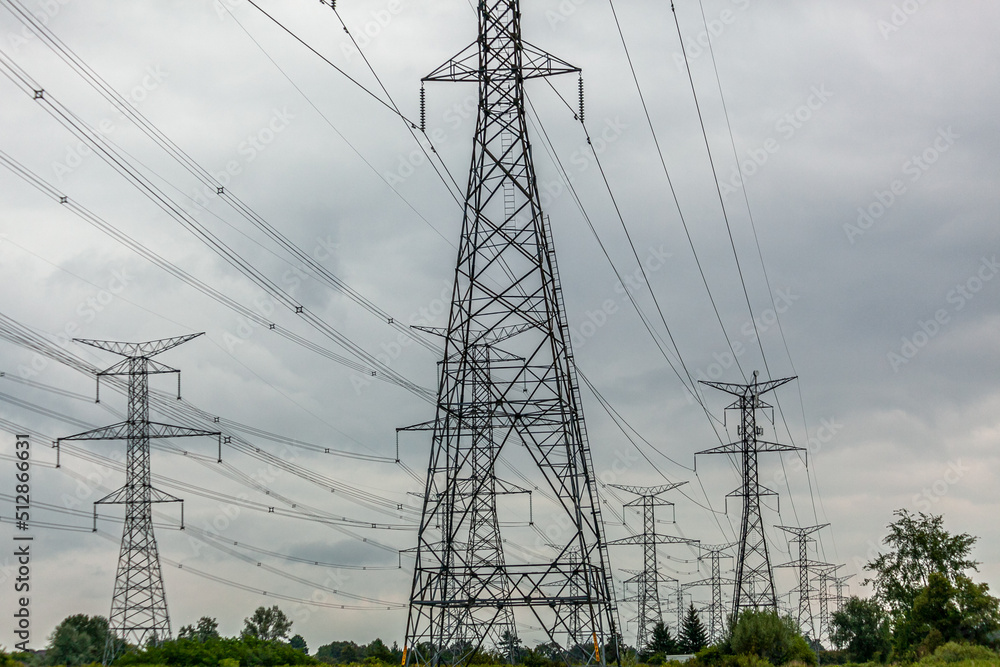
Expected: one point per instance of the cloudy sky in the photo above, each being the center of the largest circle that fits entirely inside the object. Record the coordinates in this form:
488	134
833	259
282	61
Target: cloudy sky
865	136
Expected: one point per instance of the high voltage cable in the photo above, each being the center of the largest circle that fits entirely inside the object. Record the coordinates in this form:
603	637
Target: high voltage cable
767	281
182	157
120	164
673	192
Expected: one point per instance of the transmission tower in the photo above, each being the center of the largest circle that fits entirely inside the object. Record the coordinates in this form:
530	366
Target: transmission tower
823	578
838	583
754	586
139	604
648	579
804	566
716	620
507	383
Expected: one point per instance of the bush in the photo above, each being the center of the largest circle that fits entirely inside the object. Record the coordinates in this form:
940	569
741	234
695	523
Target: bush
955	652
774	638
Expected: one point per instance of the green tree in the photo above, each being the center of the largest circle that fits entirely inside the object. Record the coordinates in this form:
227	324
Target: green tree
693	637
267	624
765	634
861	627
661	643
378	650
918	546
77	640
207	628
298	642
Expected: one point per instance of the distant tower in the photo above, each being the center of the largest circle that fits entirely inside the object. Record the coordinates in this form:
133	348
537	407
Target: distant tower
648	580
716	615
804	566
839	598
139	605
754	587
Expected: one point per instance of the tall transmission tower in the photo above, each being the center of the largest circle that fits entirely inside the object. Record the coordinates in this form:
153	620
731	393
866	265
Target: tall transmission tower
139	605
507	384
804	566
716	619
648	579
754	586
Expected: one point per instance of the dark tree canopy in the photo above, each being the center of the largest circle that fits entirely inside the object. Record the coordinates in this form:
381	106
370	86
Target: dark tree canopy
862	629
693	637
77	640
660	642
207	628
267	624
298	642
918	546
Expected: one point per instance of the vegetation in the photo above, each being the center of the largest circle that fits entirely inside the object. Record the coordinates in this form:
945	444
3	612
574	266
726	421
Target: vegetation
921	585
925	610
862	627
693	637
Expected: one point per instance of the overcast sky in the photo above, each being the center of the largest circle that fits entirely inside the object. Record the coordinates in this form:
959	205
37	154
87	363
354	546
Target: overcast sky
866	137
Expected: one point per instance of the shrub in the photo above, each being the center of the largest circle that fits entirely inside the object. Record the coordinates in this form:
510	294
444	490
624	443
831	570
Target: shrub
955	652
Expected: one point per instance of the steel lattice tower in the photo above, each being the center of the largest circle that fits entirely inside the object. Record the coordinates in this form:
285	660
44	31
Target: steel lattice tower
139	604
754	586
824	576
648	580
838	597
507	383
804	566
716	620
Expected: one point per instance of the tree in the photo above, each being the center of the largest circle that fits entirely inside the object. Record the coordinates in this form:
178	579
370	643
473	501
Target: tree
267	624
378	650
943	613
919	546
766	635
661	643
207	628
298	643
692	637
77	640
861	627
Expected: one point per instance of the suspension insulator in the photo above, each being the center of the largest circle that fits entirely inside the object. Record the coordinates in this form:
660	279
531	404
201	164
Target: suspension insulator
581	99
423	110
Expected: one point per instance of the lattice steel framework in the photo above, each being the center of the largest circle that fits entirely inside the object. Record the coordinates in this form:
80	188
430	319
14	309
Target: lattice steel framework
804	565
507	384
754	587
139	605
716	618
838	598
649	579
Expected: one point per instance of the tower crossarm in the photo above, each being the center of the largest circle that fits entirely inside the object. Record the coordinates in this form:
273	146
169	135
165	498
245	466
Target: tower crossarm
146	350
